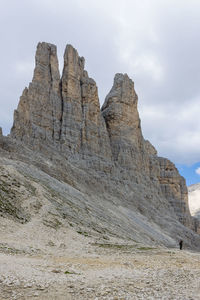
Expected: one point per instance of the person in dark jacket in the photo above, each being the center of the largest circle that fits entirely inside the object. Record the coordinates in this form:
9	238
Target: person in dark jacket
181	244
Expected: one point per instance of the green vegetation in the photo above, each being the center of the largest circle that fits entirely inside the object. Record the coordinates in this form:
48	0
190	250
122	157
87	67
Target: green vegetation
115	246
123	247
71	273
5	249
146	248
10	198
8	202
83	233
55	223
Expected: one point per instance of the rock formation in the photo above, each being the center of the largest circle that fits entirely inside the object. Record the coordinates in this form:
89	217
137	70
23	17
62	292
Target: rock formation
130	149
174	189
38	115
82	129
65	112
61	118
123	123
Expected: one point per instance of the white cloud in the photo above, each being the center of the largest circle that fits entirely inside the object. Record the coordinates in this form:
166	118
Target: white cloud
24	67
173	129
198	171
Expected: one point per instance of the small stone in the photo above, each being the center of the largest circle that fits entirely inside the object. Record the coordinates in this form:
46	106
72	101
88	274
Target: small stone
36	294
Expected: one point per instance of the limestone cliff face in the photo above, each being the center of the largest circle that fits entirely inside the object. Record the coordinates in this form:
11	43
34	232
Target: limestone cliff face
39	111
83	129
64	113
130	149
61	112
174	189
123	123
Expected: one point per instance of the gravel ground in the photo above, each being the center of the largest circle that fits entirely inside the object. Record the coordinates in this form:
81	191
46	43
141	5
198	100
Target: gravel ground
69	265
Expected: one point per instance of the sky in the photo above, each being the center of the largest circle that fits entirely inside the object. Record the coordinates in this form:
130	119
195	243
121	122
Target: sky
156	42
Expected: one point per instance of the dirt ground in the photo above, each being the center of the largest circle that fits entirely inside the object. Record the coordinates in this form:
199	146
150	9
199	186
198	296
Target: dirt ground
66	264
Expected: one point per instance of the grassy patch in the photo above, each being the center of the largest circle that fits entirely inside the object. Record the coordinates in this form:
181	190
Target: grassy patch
71	273
55	223
83	233
9	203
115	246
9	250
145	248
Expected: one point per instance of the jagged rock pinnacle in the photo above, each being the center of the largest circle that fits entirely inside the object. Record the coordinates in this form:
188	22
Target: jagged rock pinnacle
122	119
39	111
61	112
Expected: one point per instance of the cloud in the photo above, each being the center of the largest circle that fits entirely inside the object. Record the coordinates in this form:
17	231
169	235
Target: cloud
174	129
198	171
155	42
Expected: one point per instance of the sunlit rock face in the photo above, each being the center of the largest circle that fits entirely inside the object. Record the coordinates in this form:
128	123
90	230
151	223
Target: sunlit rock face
123	123
62	115
62	112
39	112
194	199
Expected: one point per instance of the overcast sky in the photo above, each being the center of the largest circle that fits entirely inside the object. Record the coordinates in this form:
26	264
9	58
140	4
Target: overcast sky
156	42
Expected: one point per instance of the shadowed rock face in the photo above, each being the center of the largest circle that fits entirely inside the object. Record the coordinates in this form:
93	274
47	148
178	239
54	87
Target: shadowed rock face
63	114
174	189
82	129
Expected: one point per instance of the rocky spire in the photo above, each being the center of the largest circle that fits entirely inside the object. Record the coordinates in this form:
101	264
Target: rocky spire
39	111
83	128
123	122
64	113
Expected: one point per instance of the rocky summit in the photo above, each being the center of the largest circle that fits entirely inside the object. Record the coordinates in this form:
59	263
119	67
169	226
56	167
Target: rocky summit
76	164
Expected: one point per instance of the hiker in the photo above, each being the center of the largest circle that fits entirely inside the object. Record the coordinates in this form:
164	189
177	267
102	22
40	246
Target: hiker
181	244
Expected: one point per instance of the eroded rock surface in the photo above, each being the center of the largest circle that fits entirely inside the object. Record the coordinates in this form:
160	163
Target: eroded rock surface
130	149
99	152
123	123
38	115
83	129
61	112
174	189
